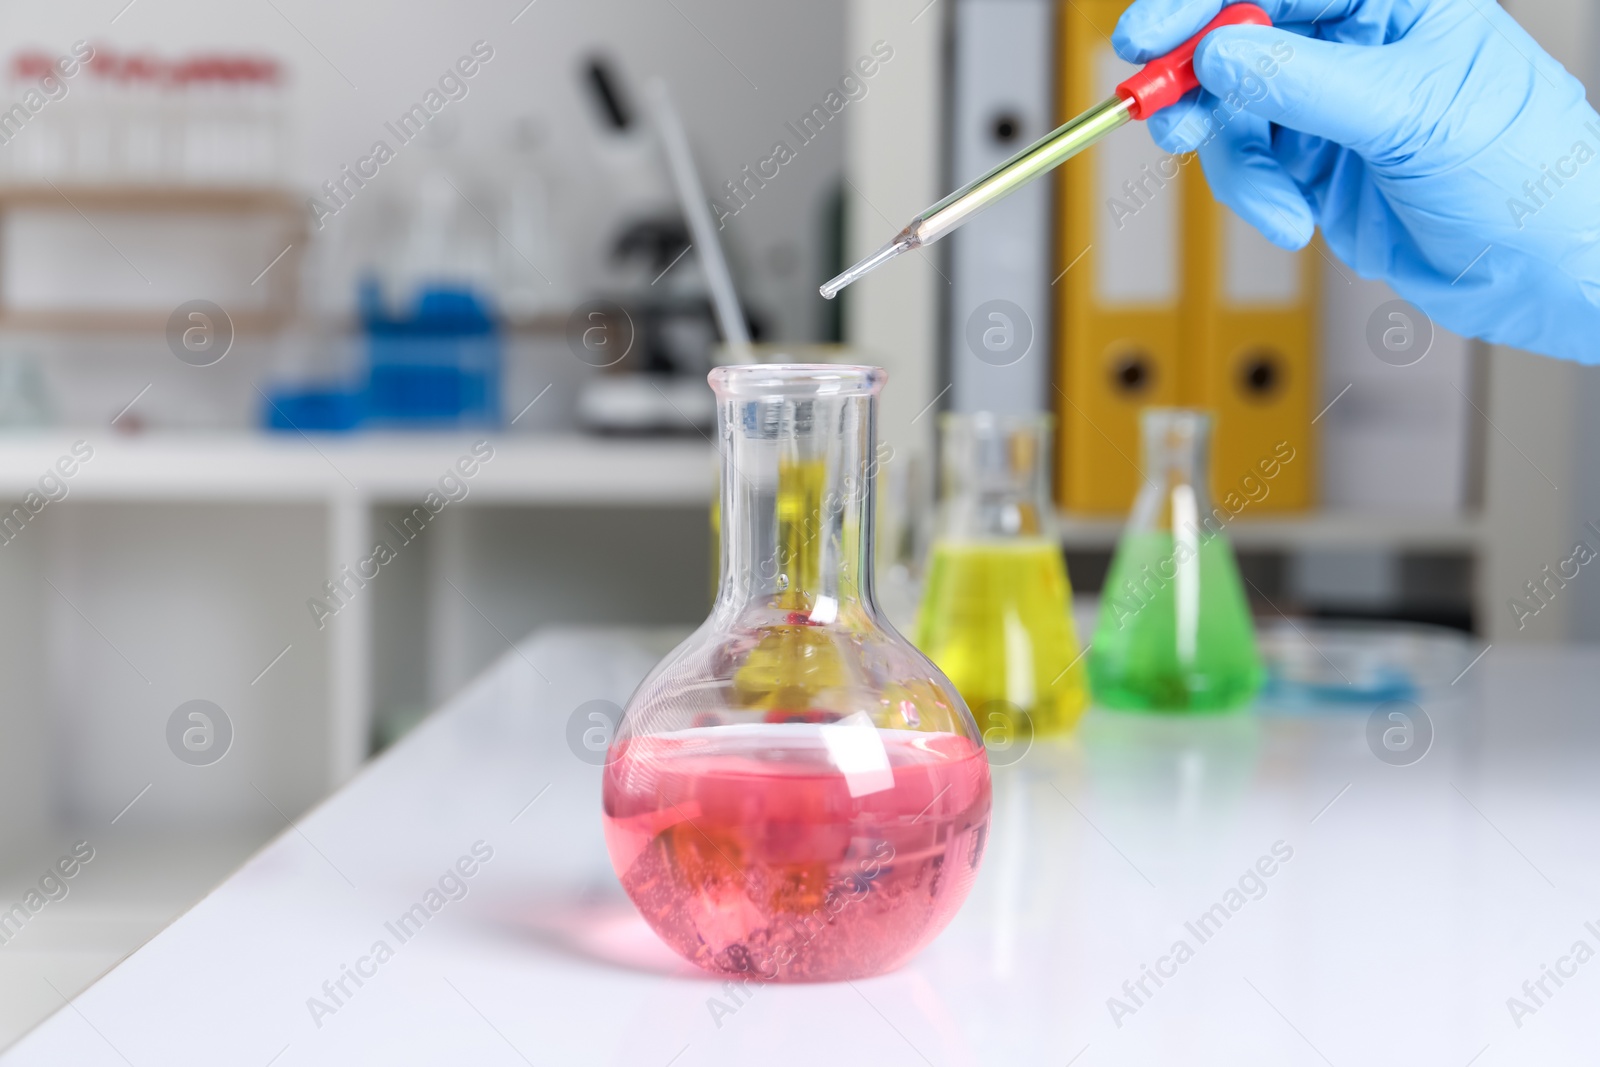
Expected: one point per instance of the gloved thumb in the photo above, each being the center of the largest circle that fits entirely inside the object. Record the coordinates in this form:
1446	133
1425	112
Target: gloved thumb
1342	92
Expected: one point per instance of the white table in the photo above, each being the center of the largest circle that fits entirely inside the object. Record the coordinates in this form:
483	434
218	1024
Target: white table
1417	900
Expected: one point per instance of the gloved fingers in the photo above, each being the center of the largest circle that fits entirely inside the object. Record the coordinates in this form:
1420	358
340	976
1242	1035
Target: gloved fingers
1345	93
1246	176
1181	127
1151	28
1236	152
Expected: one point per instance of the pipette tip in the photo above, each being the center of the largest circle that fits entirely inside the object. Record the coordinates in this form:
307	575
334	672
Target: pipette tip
903	242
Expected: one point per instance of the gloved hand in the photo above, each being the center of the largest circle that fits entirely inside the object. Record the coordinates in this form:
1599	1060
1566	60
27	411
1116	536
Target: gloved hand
1438	147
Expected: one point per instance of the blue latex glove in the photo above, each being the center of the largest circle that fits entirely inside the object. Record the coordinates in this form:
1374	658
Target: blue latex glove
1438	147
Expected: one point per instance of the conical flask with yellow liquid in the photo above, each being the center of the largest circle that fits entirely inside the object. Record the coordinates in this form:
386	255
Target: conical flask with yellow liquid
996	610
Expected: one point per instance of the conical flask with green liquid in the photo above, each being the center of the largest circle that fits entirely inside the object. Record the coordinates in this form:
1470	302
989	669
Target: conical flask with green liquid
1174	632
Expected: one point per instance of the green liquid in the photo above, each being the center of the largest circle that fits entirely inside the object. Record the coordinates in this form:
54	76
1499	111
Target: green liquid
996	618
1176	636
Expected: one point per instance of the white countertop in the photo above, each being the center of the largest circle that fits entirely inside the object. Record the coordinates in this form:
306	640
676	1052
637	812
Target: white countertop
1416	901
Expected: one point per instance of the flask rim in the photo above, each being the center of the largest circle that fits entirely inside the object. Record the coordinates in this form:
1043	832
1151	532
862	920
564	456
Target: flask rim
796	379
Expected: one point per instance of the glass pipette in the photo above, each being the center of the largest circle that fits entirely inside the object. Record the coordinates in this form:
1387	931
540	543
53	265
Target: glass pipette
1157	85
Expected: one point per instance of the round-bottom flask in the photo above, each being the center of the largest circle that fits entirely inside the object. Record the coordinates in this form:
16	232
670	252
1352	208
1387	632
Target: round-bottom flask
796	793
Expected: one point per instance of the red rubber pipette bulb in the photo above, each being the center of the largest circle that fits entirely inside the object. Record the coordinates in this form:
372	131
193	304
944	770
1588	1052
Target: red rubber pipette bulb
1162	81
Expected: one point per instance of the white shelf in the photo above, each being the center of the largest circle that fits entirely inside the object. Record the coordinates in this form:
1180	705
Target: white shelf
346	477
374	467
1395	531
546	469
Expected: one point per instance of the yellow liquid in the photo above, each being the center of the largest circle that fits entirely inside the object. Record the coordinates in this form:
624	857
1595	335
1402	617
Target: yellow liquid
795	666
996	617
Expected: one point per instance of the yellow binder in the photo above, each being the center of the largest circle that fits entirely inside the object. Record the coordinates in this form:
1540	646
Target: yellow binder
1167	297
1119	323
1248	312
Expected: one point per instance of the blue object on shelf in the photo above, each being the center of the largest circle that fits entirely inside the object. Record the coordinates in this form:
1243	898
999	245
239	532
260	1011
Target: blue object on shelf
437	366
314	410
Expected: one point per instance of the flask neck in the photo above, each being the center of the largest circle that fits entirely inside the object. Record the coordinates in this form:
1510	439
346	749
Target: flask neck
798	478
1177	470
996	475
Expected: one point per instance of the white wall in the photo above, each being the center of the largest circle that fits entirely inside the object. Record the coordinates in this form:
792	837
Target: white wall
1397	438
1542	412
25	779
895	168
1586	601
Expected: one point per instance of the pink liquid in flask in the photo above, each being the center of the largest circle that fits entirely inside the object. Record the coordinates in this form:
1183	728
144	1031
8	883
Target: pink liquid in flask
750	851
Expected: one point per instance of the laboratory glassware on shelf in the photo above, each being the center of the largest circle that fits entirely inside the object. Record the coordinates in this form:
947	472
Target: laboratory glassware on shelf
25	400
139	119
796	793
529	272
1174	632
997	606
